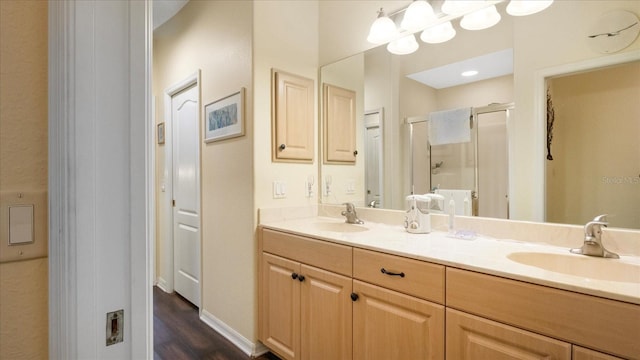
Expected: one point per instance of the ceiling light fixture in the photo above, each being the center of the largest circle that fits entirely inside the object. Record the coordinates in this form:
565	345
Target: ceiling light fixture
403	46
481	19
470	73
439	33
382	30
527	7
419	16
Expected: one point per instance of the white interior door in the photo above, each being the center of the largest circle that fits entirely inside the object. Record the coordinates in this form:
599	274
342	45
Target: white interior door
373	158
186	194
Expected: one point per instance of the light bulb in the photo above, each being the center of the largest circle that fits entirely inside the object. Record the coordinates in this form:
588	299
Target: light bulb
382	30
527	7
403	46
481	19
417	16
438	34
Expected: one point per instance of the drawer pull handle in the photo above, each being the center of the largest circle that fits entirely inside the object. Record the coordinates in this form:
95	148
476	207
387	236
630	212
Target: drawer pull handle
354	296
386	272
294	276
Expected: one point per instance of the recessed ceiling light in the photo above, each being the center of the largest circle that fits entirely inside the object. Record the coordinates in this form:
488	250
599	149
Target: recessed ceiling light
470	73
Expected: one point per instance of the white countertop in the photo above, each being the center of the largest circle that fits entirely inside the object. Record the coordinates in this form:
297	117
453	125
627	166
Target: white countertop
482	254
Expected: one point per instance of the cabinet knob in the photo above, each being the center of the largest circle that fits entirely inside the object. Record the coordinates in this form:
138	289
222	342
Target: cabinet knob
354	296
282	147
301	278
355	152
390	273
294	276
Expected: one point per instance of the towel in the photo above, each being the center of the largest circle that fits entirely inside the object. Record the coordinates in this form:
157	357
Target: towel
450	126
461	198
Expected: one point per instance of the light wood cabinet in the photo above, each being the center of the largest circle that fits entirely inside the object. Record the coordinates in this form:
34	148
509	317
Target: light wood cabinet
305	311
326	315
471	337
293	108
339	112
390	325
580	353
362	304
280	306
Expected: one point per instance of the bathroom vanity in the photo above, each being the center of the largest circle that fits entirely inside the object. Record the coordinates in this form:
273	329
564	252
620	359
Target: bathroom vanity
330	290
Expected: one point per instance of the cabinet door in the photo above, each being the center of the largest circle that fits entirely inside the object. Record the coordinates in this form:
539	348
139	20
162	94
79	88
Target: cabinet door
390	325
580	353
339	111
471	337
326	319
293	114
281	306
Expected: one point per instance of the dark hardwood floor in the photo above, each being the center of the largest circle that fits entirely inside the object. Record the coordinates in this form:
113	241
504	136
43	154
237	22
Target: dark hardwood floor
178	333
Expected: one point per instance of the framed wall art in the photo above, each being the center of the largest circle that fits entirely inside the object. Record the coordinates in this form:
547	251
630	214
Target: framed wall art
224	118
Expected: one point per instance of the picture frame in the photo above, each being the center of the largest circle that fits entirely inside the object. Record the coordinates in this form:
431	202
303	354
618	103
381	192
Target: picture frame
160	133
224	118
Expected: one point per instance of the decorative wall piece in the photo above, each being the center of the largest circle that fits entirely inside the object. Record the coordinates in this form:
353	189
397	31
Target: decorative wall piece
224	118
613	31
550	119
160	133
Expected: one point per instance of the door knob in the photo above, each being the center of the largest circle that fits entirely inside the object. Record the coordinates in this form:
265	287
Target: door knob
354	296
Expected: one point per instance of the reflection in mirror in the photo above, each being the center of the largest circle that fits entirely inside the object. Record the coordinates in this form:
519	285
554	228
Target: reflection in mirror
595	152
386	85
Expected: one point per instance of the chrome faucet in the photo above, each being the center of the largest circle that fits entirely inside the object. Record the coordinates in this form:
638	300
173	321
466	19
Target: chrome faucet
593	239
350	214
373	203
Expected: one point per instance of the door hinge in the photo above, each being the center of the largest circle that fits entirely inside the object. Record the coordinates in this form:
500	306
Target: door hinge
173	203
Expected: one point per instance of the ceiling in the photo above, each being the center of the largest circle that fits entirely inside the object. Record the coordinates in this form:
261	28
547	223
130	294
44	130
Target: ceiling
488	66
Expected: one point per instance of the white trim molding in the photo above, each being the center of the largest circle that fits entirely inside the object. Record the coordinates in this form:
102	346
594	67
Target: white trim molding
250	348
62	237
99	180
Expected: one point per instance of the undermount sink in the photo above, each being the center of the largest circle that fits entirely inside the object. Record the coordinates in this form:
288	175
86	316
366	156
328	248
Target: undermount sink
339	227
580	265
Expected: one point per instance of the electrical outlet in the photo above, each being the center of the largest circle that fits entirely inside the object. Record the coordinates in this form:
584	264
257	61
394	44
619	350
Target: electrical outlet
115	327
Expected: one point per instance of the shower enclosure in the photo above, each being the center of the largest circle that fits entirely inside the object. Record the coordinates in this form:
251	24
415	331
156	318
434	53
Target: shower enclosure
480	166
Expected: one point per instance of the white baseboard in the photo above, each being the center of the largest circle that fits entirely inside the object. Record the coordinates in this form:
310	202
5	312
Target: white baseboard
162	284
248	347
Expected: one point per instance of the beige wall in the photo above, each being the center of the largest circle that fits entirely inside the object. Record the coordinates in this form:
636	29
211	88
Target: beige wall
215	37
285	37
23	167
596	153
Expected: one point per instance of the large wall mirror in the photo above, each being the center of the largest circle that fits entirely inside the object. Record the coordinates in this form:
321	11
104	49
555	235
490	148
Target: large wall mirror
393	93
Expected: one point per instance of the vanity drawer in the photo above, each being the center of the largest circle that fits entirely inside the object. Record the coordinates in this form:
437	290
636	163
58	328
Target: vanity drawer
321	254
602	324
418	278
